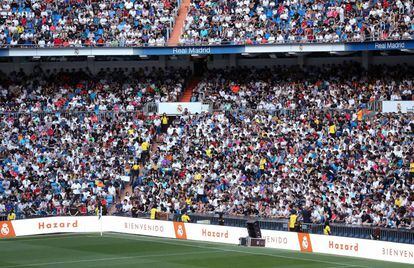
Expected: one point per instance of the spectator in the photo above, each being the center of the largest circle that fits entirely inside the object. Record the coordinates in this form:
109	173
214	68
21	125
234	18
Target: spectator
292	221
153	213
82	23
264	22
11	216
327	228
185	218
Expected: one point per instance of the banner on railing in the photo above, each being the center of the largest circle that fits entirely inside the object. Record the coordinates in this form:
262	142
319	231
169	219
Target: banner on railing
380	45
178	108
343	246
398	106
190	50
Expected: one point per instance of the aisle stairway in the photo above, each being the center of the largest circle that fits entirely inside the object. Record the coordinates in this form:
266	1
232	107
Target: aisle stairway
186	97
128	188
188	91
179	23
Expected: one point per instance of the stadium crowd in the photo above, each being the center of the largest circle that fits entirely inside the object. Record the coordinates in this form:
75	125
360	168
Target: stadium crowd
86	23
343	86
333	165
266	21
69	138
148	23
62	152
330	160
108	90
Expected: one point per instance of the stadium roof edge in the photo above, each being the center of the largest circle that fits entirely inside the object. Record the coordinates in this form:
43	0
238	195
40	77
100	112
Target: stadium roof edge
207	50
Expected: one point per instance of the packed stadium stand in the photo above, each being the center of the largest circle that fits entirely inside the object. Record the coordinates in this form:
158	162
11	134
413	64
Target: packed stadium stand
113	90
303	108
70	137
344	86
86	23
55	23
264	21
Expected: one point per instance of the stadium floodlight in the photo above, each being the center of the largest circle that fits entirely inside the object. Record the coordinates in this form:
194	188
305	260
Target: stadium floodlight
36	57
143	56
91	56
273	56
195	55
245	54
407	50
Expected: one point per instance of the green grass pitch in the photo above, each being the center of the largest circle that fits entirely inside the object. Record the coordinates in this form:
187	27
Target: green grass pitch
121	250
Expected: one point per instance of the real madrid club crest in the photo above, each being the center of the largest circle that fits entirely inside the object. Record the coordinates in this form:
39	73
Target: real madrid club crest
5	229
180	108
305	243
180	230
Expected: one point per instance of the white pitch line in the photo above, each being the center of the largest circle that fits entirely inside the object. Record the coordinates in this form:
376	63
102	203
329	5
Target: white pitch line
111	259
229	250
43	237
344	266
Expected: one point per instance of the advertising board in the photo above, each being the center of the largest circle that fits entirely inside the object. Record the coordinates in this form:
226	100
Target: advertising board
342	246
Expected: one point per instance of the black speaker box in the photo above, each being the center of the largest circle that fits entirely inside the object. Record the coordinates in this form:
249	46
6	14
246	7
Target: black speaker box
253	229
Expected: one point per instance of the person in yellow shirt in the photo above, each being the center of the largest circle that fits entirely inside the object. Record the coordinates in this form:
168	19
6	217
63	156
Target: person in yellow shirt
153	213
135	167
262	164
327	229
185	218
134	173
398	201
164	123
262	167
145	146
332	130
292	221
145	151
209	153
20	29
11	216
198	176
412	167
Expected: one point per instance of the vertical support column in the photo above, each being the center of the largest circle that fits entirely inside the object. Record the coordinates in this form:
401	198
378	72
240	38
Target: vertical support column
366	59
301	60
233	60
162	61
17	65
91	64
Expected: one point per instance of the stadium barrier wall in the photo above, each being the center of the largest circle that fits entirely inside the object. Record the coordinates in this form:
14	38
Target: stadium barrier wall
342	246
